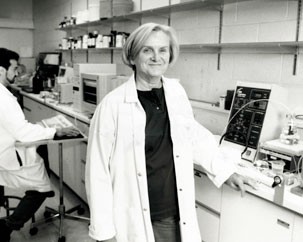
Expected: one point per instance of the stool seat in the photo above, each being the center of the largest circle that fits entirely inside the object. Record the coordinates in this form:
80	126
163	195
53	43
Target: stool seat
5	199
5	203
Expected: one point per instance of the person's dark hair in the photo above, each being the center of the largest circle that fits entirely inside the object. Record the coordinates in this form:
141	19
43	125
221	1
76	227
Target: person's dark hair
5	57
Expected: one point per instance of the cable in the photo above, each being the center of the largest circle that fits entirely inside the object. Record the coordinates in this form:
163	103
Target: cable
223	134
253	101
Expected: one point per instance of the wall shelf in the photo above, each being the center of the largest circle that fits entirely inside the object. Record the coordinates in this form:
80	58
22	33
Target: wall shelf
254	47
207	106
161	11
287	47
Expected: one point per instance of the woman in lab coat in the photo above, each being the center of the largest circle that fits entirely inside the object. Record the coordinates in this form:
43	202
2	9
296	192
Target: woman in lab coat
20	167
143	141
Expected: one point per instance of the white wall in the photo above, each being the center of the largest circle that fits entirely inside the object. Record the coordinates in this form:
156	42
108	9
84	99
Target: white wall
16	28
248	21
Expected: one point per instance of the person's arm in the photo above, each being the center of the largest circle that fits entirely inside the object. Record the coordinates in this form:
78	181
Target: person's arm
97	176
14	122
219	163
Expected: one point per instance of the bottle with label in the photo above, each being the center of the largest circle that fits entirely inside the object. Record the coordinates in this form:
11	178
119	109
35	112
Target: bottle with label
85	41
99	41
289	134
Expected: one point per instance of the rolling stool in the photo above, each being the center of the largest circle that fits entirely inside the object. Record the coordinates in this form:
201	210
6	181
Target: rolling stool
4	202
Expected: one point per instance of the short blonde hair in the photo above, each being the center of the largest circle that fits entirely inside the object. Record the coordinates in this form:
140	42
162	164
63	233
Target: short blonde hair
135	41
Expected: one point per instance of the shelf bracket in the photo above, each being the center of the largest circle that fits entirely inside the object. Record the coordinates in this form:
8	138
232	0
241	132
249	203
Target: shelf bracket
220	36
298	27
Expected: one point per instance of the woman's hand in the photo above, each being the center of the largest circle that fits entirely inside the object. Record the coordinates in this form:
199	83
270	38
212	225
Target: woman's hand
238	182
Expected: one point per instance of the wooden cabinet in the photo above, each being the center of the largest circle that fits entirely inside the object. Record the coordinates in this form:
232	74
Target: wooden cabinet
252	219
208	206
209	224
207	193
35	111
298	229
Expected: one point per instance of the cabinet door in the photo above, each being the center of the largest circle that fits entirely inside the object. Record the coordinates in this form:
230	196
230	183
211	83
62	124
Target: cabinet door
298	229
208	206
252	219
82	190
35	111
206	192
209	224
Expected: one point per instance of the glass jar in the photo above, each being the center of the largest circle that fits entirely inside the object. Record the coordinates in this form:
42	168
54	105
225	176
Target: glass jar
289	134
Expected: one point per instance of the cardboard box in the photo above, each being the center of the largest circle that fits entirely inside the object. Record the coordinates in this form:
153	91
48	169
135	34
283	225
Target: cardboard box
118	7
179	1
148	4
105	9
94	12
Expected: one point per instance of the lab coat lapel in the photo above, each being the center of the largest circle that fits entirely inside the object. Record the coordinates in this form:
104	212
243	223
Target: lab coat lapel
138	122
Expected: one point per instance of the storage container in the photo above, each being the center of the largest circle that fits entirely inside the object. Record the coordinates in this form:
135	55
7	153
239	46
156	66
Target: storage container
115	8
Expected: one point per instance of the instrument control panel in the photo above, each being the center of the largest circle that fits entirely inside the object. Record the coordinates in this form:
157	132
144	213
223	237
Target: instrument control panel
247	116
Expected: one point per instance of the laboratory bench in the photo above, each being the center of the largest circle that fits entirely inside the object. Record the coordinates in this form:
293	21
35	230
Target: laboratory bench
262	215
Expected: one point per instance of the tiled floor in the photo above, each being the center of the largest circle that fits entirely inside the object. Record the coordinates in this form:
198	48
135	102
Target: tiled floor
75	230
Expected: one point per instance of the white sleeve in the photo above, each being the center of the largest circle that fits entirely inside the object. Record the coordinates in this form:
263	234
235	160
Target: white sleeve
97	175
218	163
16	124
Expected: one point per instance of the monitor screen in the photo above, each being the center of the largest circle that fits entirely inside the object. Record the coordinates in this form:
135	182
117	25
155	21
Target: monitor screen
48	64
49	58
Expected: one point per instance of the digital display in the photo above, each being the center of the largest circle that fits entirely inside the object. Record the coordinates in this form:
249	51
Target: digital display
258	105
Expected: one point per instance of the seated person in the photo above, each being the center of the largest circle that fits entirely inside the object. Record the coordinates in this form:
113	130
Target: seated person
21	167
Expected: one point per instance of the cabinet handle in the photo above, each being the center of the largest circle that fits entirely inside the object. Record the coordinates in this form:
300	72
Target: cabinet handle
283	223
198	174
27	109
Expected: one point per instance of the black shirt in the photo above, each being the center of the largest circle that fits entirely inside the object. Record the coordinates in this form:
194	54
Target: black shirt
159	156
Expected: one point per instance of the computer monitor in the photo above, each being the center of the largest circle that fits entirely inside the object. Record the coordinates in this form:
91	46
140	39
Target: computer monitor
47	69
48	63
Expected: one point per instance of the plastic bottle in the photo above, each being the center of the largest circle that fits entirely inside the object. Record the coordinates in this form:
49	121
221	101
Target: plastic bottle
289	134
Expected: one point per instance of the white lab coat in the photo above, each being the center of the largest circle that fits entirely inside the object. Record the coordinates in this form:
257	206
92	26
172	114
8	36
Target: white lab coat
116	181
13	127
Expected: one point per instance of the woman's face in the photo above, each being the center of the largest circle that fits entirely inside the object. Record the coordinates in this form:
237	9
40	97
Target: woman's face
153	59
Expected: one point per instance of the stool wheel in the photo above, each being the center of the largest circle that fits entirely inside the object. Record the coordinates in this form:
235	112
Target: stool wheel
61	239
33	231
81	211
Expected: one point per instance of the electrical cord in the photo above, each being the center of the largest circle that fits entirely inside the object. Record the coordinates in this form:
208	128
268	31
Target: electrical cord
236	132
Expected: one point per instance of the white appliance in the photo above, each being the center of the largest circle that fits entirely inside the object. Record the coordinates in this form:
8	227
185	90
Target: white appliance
95	86
88	68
